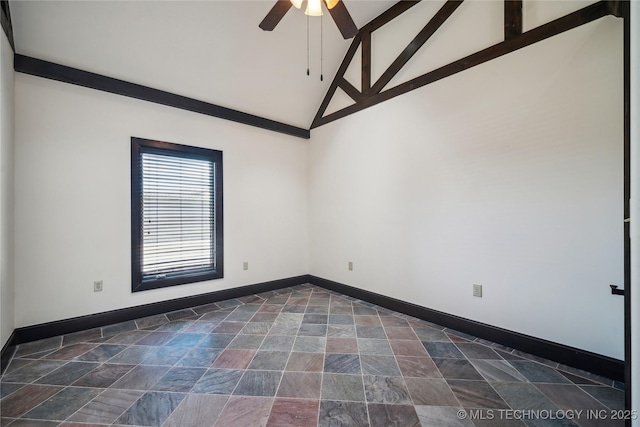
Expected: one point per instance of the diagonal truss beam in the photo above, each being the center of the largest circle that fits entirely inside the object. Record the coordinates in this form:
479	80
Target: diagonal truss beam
339	76
349	89
515	42
392	13
378	22
425	34
5	22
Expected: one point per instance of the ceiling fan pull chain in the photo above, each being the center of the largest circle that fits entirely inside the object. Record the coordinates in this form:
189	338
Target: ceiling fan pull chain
321	44
307	45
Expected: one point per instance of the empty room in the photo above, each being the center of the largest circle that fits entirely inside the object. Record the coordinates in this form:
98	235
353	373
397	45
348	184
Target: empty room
319	213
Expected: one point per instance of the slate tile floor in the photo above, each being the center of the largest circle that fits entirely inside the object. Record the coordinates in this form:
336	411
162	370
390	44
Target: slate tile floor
300	356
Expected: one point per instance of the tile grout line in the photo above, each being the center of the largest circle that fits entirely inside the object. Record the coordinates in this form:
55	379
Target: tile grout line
286	363
288	292
395	358
246	369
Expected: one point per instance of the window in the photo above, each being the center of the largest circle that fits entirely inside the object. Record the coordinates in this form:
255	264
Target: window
176	214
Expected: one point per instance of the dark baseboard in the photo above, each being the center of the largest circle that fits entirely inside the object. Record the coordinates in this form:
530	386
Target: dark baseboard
7	352
570	356
91	321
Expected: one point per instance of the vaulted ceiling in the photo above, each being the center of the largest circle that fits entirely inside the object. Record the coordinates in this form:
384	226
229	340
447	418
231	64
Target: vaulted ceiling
210	56
208	50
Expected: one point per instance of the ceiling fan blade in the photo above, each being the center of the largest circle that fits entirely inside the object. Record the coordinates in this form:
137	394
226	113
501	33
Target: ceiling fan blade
343	20
275	15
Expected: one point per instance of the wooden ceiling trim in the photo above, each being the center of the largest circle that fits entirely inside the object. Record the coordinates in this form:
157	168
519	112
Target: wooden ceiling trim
583	16
619	8
425	34
512	18
62	73
389	15
349	89
340	74
383	18
366	62
5	21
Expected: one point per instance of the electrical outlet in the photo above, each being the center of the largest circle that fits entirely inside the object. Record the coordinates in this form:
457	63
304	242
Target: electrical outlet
477	291
245	265
97	286
350	265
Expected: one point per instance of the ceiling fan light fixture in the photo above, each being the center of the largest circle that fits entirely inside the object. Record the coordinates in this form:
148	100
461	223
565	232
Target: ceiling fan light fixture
331	3
314	8
339	14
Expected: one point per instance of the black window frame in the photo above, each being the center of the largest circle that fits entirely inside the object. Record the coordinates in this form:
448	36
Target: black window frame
139	146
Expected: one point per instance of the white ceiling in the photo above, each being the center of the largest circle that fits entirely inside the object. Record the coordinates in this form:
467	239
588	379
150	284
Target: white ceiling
208	50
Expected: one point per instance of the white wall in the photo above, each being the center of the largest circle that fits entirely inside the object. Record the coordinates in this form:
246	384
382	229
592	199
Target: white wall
73	199
6	190
507	175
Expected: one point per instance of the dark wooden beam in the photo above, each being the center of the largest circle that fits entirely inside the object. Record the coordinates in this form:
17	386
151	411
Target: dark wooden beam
341	70
386	16
61	73
512	18
349	89
432	26
553	28
389	15
5	21
619	8
366	61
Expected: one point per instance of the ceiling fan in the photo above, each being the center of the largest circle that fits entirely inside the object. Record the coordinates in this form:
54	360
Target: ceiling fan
336	8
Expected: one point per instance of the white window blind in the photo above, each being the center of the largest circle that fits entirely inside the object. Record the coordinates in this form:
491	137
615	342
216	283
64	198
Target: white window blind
178	215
